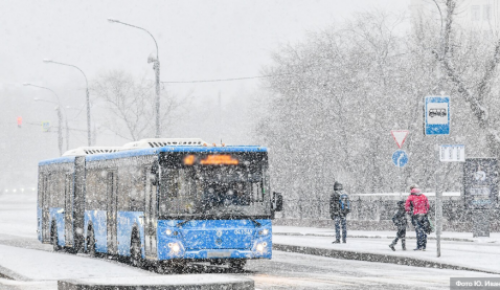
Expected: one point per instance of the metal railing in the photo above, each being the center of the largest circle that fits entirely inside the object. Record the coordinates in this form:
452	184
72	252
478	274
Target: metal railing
454	210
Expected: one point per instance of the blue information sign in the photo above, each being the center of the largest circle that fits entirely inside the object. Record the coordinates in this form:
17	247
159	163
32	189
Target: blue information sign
437	115
400	158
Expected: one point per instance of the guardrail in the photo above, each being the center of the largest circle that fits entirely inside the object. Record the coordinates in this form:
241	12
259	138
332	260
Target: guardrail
378	209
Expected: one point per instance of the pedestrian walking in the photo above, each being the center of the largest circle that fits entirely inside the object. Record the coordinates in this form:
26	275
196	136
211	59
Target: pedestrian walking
339	208
418	206
399	219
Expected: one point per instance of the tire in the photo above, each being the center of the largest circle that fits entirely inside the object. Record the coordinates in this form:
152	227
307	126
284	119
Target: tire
217	262
91	244
135	250
179	266
237	264
54	238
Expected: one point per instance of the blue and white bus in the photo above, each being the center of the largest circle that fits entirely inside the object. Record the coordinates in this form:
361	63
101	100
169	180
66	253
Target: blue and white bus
160	200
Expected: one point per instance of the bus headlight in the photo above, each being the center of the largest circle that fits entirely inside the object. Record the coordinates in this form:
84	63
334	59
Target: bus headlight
168	232
174	247
261	247
264	232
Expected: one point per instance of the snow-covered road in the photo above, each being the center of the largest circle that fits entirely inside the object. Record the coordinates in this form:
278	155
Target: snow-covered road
22	253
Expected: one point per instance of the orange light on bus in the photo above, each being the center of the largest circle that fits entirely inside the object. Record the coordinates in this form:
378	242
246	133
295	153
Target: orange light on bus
219	160
189	160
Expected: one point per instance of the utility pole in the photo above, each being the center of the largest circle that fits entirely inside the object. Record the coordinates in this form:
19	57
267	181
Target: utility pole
87	91
67	135
59	115
156	67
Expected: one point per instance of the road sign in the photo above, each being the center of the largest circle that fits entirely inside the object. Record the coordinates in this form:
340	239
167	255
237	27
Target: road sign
437	115
45	126
452	153
400	158
399	136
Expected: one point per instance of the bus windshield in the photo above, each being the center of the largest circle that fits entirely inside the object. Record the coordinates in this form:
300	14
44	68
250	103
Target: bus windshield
212	191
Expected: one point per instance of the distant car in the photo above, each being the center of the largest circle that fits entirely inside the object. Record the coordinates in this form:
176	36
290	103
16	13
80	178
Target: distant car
437	112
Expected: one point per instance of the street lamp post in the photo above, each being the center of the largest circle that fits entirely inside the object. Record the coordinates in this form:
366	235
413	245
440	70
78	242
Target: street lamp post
156	67
88	96
59	115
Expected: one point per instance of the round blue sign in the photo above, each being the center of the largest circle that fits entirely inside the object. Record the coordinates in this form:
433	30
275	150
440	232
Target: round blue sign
400	158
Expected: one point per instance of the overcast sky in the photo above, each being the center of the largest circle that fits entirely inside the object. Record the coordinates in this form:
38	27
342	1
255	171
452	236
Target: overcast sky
197	39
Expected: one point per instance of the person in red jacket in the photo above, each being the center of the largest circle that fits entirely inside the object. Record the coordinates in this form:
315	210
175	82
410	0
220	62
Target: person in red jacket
417	205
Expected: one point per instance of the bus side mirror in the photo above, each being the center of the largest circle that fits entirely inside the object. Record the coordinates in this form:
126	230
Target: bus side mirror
278	201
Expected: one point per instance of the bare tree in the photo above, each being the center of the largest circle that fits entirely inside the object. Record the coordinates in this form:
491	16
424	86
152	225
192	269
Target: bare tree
335	98
129	104
475	79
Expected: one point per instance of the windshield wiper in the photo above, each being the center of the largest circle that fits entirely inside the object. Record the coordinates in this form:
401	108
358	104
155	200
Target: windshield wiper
255	222
183	223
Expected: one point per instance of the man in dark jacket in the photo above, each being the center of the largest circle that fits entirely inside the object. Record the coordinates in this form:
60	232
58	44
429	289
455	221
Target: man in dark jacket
339	208
399	219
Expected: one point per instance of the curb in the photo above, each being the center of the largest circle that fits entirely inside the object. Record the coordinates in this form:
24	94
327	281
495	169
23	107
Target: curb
11	275
160	283
371	257
369	237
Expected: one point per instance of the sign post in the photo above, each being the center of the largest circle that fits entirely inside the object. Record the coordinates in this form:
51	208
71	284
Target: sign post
400	158
437	122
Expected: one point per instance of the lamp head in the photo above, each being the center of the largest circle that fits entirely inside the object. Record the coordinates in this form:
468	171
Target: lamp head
151	59
111	20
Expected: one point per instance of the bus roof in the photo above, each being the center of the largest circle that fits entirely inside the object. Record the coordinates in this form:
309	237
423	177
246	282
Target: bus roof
194	149
63	159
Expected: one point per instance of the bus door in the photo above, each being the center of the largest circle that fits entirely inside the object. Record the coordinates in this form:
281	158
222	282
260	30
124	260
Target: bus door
150	217
45	209
68	210
112	213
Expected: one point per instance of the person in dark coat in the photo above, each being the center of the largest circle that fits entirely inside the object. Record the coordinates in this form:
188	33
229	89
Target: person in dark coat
338	211
399	219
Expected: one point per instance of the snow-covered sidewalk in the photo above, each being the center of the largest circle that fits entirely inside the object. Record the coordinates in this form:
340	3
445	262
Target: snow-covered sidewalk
482	255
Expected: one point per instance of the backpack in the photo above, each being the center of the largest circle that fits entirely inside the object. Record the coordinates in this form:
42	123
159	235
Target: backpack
345	204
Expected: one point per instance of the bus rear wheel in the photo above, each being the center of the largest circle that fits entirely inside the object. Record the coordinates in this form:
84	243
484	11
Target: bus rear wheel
237	264
53	237
135	251
91	244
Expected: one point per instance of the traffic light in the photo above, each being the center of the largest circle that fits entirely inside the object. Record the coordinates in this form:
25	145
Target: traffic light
19	122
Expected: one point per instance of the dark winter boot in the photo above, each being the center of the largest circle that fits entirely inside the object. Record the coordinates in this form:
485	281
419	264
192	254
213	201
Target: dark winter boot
392	247
336	242
343	241
403	244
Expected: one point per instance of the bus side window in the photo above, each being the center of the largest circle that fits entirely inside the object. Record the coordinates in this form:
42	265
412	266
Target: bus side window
137	189
101	186
56	189
256	192
169	192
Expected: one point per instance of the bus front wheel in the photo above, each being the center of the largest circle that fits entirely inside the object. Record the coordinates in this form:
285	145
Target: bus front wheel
53	237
